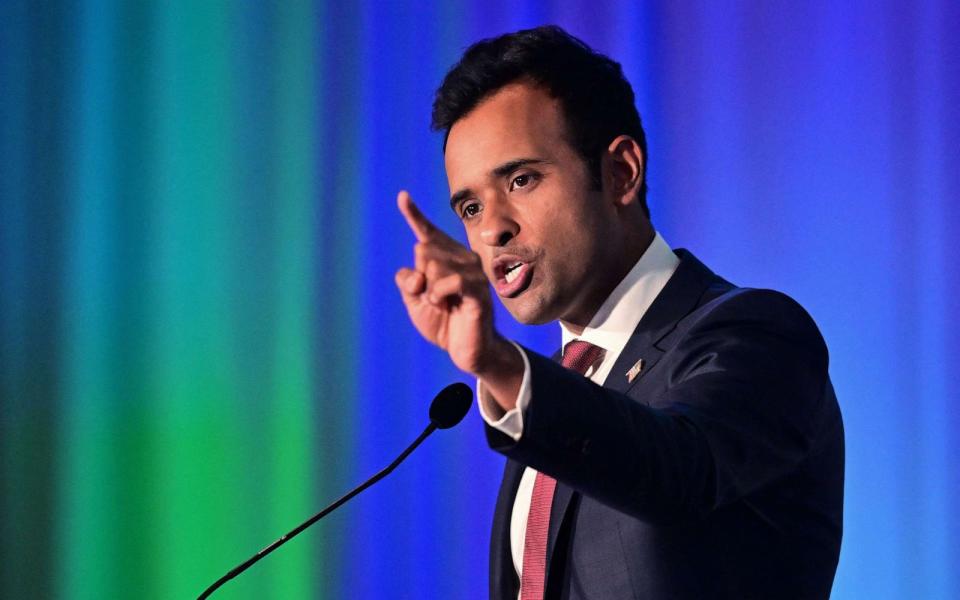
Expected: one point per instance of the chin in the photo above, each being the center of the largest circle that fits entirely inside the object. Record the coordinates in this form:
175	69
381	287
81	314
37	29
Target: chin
529	311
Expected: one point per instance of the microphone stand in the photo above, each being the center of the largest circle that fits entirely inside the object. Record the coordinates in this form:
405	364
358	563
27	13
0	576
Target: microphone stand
386	471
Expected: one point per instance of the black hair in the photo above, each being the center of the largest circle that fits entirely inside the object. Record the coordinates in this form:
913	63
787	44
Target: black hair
596	98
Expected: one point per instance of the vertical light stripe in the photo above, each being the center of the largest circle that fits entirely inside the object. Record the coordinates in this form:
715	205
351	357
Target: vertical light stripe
200	449
87	531
294	460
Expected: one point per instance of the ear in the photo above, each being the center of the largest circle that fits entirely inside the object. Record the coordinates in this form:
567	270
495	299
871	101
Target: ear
622	168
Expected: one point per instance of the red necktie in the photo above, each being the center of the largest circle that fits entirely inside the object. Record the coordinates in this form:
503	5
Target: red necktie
577	356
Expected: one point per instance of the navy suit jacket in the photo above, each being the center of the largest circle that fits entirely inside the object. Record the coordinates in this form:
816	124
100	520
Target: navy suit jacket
716	473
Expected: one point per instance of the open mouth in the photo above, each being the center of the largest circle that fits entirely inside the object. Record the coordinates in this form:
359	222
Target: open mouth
511	276
512	271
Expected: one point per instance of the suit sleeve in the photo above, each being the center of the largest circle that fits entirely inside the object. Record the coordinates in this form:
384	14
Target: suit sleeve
740	408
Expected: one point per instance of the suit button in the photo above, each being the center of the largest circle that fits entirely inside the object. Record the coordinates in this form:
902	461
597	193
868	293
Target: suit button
585	447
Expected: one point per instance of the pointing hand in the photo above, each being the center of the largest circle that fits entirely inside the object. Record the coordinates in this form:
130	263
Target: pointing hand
446	292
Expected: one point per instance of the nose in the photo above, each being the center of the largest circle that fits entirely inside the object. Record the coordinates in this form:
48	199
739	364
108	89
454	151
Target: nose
499	225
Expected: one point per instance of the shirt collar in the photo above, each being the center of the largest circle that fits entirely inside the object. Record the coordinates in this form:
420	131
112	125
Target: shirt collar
621	312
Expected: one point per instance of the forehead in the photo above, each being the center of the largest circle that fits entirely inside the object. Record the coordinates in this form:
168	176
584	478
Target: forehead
518	121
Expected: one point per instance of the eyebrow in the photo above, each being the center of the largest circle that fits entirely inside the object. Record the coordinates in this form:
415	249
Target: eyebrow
498	173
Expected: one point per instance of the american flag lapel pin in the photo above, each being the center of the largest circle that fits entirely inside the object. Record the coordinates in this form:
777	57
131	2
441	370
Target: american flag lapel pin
634	371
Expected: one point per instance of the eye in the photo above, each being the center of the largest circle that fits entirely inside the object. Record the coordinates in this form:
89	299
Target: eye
470	210
523	180
520	181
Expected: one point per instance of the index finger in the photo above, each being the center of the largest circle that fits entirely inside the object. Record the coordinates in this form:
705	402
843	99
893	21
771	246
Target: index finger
421	226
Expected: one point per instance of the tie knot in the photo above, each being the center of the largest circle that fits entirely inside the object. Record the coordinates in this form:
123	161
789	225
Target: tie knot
579	355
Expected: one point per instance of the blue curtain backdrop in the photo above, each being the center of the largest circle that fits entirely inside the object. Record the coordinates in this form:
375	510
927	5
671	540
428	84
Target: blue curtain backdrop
200	339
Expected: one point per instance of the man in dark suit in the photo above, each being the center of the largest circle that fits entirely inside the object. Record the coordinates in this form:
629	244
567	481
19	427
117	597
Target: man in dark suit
689	444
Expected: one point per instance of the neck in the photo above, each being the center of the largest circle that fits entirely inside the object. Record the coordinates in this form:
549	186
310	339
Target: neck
620	265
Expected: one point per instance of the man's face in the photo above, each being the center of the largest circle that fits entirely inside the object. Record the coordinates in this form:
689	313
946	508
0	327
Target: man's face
524	197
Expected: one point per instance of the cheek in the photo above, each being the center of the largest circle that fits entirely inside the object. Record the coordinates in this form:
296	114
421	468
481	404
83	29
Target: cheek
576	245
472	243
567	233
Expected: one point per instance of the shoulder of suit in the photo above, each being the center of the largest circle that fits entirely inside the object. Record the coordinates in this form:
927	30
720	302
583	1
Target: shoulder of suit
755	308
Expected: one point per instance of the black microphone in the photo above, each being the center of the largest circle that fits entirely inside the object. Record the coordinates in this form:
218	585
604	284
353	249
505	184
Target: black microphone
446	410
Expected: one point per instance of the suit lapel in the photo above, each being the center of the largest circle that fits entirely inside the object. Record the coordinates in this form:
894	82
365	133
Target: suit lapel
503	577
678	298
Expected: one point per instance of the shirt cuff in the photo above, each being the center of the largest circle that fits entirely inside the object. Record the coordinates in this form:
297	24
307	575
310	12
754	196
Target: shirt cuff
511	421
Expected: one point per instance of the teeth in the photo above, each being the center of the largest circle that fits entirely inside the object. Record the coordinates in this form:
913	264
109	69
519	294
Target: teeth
513	273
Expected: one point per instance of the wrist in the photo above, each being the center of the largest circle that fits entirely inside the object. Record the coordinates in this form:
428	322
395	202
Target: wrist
499	359
501	372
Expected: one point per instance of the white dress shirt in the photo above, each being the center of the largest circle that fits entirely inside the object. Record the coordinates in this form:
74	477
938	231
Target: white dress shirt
609	329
